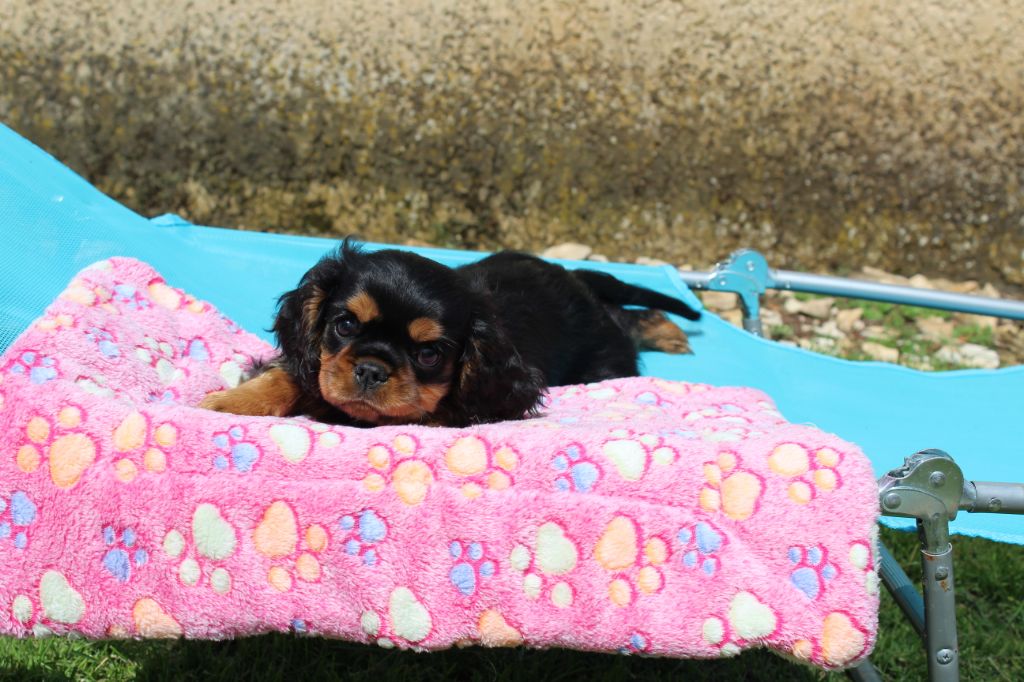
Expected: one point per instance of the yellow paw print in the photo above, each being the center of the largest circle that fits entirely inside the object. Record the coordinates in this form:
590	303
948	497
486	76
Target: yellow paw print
134	433
277	537
619	551
812	475
411	478
554	554
69	454
88	295
56	322
483	466
733	492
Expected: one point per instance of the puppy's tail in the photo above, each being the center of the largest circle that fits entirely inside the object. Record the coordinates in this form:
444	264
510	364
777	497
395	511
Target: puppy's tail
611	290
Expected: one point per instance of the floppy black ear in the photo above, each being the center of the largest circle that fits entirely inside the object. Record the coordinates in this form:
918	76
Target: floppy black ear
299	323
494	383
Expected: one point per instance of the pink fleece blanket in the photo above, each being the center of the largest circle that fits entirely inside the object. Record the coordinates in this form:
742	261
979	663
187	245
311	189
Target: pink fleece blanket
636	515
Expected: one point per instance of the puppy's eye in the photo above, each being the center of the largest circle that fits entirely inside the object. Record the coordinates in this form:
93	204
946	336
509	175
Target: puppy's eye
346	324
428	356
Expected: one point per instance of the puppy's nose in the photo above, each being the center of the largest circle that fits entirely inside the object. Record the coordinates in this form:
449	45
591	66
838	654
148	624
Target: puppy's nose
370	375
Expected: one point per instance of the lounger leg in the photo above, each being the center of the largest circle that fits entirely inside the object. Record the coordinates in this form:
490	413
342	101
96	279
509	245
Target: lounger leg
939	609
865	672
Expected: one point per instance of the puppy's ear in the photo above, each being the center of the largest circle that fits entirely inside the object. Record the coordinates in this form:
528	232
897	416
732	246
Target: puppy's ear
494	384
298	326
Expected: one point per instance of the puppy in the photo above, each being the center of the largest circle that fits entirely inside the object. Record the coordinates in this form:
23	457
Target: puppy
390	337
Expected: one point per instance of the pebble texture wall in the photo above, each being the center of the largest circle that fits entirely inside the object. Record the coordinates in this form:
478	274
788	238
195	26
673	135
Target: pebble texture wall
830	134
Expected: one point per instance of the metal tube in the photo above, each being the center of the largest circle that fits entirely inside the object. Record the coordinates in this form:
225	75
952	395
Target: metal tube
940	615
903	591
874	291
865	671
993	498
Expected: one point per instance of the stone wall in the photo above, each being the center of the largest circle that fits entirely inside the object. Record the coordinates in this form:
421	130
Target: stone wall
831	135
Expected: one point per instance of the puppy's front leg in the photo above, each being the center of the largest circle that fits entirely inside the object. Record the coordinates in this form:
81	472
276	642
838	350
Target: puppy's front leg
270	394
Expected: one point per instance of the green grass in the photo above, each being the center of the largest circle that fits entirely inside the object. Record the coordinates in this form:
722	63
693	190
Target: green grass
990	612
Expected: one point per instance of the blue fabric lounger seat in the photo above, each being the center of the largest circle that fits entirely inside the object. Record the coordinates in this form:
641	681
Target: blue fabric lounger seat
53	223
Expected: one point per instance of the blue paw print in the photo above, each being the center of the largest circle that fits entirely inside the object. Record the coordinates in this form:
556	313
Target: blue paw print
237	453
167	397
366	529
812	570
649	398
195	349
130	297
576	472
15	518
104	341
38	368
638	643
471	566
700	545
299	626
123	554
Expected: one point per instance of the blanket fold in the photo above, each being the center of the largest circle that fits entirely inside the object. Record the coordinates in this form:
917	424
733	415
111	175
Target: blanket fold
635	515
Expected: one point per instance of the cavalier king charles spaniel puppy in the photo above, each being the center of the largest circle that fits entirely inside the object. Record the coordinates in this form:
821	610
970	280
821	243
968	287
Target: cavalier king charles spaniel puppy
390	337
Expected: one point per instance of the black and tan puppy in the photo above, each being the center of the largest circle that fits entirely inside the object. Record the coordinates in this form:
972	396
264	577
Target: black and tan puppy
390	337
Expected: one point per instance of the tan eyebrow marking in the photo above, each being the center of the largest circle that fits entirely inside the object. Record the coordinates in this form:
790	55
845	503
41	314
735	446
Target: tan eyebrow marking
425	330
363	307
311	308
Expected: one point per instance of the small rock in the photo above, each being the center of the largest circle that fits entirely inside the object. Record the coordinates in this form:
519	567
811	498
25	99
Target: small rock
568	251
877	351
598	258
719	300
849	320
644	260
935	328
979	356
990	291
921	282
818	308
877	331
983	321
770	318
734	316
829	329
883	276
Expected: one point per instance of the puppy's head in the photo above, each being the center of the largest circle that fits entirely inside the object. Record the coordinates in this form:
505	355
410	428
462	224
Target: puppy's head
391	337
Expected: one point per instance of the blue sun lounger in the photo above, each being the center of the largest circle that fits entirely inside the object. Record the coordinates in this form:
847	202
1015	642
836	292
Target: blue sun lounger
53	223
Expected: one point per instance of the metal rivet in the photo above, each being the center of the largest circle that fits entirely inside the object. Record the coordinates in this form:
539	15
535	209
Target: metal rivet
995	504
941	573
892	501
937	479
944	656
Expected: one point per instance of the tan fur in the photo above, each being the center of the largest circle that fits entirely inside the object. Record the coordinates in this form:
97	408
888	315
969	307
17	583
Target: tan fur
654	331
271	394
425	330
363	307
311	308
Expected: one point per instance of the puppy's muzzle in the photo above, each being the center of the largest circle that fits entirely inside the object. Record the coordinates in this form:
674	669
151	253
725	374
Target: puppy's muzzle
370	375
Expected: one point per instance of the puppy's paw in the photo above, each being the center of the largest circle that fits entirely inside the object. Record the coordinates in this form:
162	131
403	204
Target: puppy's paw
657	332
271	394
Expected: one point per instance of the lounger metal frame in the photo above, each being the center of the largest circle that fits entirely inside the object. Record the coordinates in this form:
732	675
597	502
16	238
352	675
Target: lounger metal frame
928	487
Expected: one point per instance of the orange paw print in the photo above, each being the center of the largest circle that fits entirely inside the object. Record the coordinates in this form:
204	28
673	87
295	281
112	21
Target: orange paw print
635	569
56	322
411	478
133	434
88	295
482	466
277	538
69	454
733	492
811	475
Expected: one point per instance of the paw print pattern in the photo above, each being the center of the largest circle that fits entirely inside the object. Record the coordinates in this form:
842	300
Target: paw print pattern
865	563
480	465
87	295
104	341
639	643
213	541
554	555
56	322
59	605
235	452
365	531
168	396
813	570
195	349
747	620
811	476
396	465
124	553
842	640
17	514
172	298
632	454
277	538
37	367
128	297
700	545
69	454
575	471
634	569
406	619
142	444
729	489
160	356
472	566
